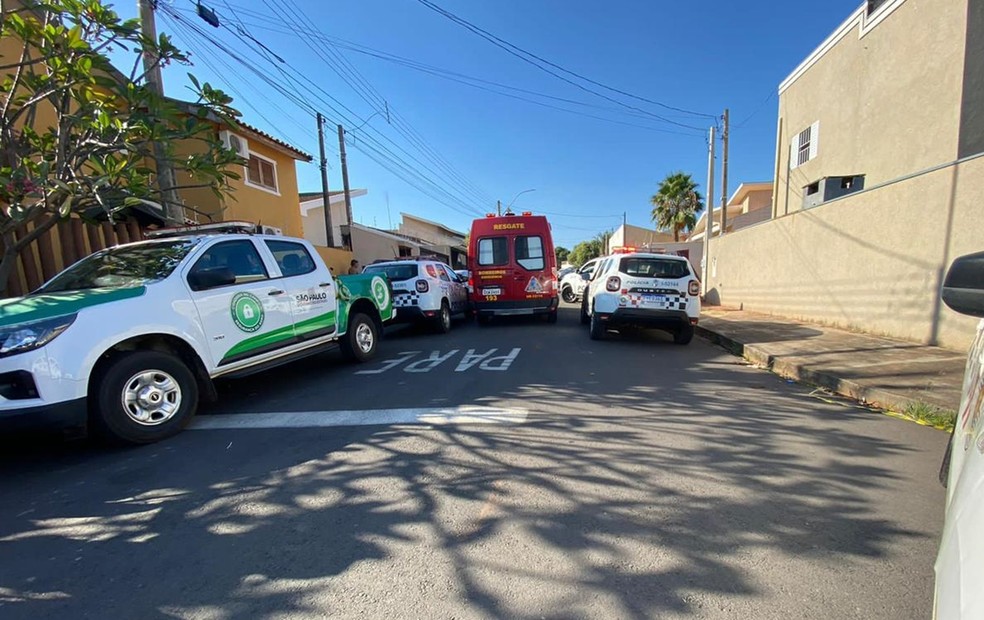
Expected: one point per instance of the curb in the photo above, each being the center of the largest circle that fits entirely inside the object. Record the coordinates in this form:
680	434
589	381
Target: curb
884	399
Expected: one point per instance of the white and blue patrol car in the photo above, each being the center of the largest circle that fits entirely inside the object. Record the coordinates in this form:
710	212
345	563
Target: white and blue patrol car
641	289
425	290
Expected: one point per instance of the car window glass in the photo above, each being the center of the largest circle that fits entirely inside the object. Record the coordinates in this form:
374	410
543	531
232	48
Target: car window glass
442	273
452	276
601	269
493	251
395	272
239	257
121	267
645	267
529	253
293	258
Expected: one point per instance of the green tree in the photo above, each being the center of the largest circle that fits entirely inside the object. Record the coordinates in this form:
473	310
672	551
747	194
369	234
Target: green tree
77	135
562	253
676	204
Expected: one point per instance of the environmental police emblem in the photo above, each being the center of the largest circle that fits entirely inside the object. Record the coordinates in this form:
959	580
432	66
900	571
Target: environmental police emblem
380	292
247	312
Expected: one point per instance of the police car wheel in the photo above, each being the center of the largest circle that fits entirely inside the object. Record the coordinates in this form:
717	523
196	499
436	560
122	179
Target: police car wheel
442	323
684	335
143	397
597	330
362	339
567	294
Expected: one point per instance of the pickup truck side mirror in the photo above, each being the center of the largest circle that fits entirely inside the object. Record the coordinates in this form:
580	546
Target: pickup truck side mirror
204	279
586	275
963	289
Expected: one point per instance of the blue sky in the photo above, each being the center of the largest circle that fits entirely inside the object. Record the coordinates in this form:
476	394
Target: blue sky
700	57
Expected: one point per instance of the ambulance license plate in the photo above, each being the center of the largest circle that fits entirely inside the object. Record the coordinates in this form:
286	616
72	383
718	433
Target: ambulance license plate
492	291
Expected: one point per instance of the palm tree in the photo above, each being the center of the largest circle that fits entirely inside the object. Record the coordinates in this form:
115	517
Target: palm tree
676	204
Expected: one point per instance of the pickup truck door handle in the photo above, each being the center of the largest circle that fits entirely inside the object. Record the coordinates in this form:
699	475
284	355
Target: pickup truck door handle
275	292
325	284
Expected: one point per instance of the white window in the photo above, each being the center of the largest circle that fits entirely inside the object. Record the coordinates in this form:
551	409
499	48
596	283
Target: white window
805	146
261	172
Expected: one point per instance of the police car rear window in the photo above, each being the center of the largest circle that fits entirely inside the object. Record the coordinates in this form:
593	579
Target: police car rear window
395	273
653	268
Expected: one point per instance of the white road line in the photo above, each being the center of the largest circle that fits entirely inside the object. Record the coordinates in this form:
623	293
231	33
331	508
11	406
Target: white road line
369	417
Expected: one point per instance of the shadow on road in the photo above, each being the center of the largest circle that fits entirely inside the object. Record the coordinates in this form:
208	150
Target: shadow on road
631	513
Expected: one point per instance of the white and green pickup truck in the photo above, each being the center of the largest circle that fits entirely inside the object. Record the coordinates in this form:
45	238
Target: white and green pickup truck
129	339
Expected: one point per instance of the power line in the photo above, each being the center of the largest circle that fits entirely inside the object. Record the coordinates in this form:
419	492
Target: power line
468	80
381	150
413	64
207	58
527	56
375	99
772	93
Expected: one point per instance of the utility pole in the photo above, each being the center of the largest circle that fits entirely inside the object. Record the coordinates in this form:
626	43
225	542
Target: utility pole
345	181
724	175
166	179
498	207
325	196
710	214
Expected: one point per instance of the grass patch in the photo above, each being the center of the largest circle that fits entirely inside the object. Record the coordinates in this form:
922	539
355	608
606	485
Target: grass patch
930	416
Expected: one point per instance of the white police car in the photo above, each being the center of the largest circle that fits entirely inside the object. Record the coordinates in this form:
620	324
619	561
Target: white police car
572	284
960	562
639	289
425	290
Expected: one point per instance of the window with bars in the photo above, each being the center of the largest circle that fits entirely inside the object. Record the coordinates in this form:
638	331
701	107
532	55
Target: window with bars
804	146
261	172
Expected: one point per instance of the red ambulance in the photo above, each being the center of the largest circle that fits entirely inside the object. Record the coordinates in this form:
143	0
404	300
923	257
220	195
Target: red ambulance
513	267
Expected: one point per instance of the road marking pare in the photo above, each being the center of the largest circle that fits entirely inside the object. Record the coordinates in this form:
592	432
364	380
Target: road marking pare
491	360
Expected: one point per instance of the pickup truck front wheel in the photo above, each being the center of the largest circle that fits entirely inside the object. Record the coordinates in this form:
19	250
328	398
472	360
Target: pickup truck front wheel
143	397
361	340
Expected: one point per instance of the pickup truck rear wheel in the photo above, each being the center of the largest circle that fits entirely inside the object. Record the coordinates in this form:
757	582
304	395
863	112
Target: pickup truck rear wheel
361	340
143	397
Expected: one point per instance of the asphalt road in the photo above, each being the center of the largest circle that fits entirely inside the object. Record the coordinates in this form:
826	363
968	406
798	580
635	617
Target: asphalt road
630	478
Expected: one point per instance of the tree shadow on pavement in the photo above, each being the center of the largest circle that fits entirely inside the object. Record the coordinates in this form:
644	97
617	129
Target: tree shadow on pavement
643	501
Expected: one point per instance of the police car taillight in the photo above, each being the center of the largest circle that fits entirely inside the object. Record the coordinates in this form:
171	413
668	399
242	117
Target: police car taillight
693	287
613	284
422	286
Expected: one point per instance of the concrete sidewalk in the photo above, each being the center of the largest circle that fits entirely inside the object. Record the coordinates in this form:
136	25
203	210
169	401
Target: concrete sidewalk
891	374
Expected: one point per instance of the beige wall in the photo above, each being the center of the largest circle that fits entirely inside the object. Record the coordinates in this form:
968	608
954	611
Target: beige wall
637	236
888	103
755	201
338	260
314	223
873	261
429	232
369	246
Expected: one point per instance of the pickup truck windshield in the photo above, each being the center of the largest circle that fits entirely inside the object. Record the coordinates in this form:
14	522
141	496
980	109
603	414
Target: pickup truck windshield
122	267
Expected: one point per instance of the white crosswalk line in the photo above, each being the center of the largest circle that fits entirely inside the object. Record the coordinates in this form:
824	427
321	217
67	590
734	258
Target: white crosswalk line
434	416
